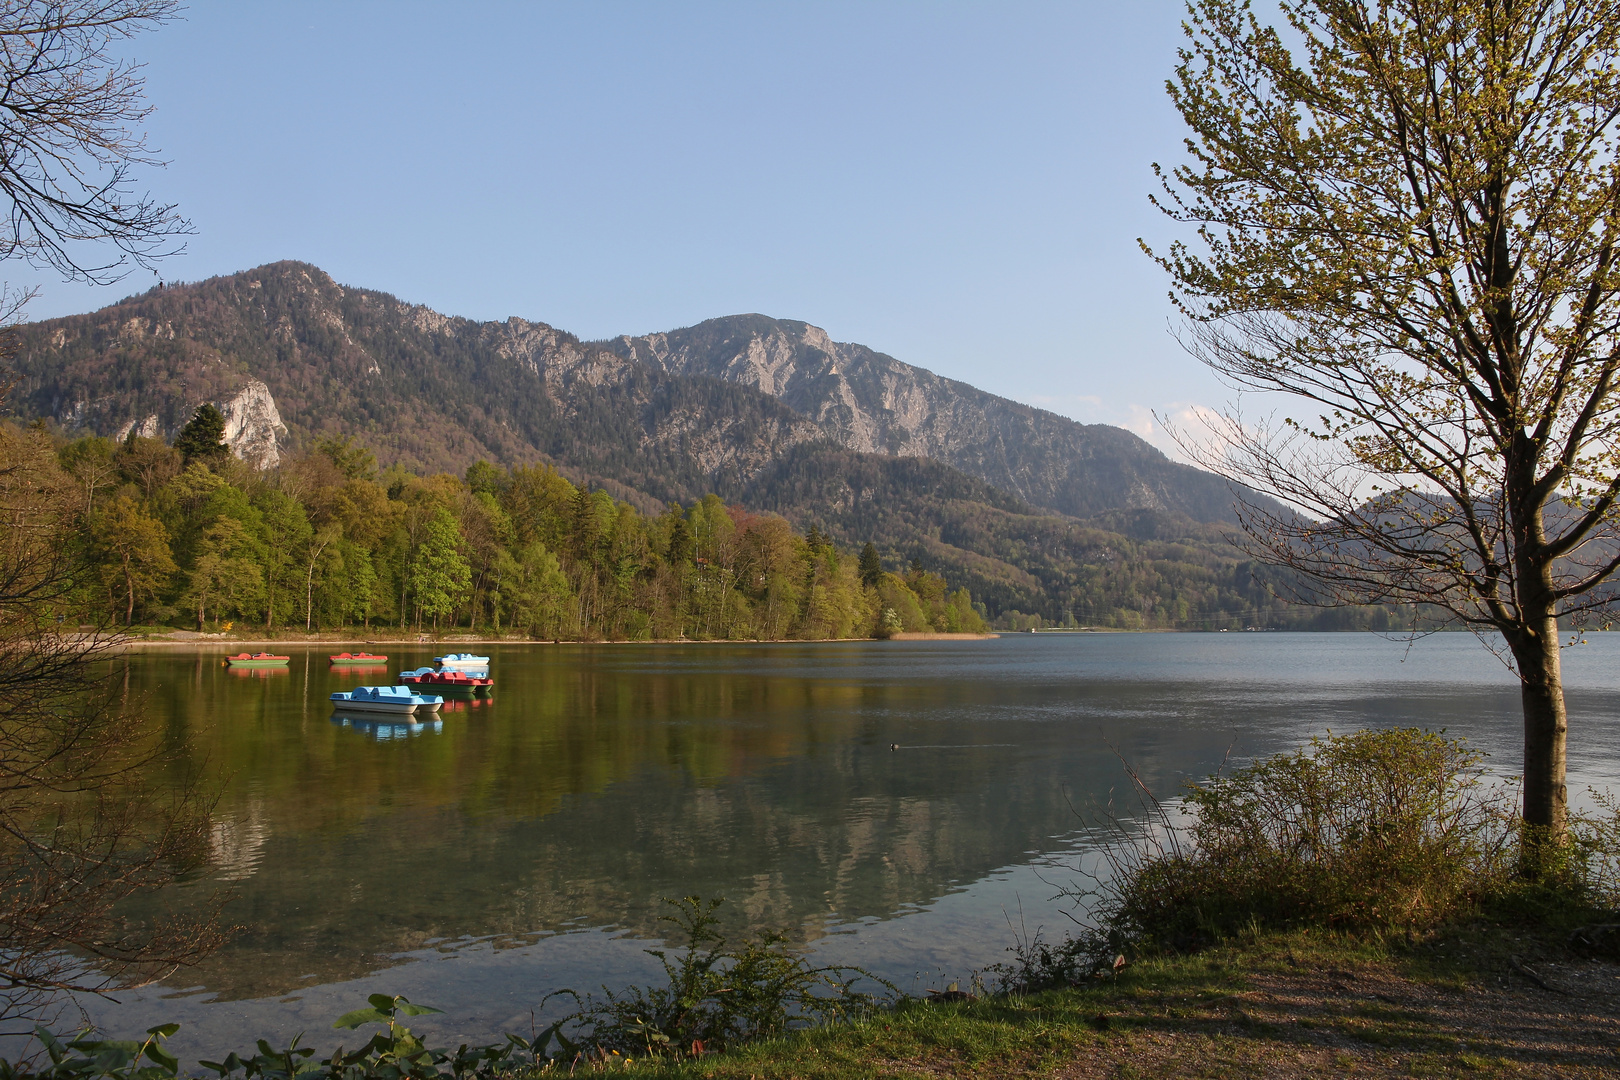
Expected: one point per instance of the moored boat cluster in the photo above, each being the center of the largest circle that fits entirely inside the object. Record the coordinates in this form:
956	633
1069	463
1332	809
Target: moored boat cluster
422	691
463	675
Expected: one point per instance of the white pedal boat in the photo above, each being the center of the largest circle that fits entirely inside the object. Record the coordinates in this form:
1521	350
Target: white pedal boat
463	661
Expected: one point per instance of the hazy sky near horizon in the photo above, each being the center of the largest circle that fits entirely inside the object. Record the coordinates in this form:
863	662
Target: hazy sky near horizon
958	185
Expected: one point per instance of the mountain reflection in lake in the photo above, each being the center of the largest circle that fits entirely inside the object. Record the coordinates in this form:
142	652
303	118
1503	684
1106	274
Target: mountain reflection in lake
523	844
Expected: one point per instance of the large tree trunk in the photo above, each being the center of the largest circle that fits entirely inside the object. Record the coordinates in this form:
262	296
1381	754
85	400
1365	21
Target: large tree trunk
1546	725
1535	645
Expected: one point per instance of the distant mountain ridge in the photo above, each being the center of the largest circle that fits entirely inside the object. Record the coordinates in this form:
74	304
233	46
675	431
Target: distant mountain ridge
425	390
707	406
872	403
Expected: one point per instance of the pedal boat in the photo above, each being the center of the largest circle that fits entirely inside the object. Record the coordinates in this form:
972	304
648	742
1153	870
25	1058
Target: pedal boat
450	684
463	661
356	659
400	700
258	659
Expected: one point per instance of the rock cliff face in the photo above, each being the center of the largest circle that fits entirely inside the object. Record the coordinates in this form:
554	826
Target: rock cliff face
252	424
873	403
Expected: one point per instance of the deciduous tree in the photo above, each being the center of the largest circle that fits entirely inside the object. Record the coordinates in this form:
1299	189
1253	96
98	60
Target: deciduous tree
70	122
1406	219
440	576
139	563
80	830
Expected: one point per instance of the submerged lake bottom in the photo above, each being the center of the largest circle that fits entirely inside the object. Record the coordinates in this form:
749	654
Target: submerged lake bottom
904	806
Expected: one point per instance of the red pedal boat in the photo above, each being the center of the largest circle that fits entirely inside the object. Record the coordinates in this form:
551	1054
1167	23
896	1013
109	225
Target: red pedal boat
447	683
349	659
258	659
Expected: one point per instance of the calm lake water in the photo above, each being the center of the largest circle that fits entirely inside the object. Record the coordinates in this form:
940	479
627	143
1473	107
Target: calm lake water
523	845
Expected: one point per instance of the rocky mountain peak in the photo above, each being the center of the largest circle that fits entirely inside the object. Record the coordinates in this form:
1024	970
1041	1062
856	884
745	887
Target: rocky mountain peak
872	403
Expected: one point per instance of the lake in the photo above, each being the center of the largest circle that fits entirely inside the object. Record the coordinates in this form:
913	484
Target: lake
899	805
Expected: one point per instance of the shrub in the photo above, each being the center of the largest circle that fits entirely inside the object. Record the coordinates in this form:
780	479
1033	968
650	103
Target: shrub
718	997
1382	830
1596	845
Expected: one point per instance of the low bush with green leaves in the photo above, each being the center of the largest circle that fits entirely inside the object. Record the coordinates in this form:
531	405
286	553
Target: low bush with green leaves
394	1053
1376	829
720	996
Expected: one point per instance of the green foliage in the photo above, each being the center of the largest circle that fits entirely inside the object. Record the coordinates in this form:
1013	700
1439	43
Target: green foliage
84	1058
718	997
536	596
350	458
325	542
871	566
484	478
395	1053
203	437
285	532
133	545
439	575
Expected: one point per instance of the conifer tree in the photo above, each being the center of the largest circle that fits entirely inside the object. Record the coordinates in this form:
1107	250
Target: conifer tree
871	566
203	437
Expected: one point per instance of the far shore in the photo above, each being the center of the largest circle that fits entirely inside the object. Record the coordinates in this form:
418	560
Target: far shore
193	640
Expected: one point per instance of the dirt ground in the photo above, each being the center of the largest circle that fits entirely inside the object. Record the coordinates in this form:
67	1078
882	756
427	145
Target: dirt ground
1550	1020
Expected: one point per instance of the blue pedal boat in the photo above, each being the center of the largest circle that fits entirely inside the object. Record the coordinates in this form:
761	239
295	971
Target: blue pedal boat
386	699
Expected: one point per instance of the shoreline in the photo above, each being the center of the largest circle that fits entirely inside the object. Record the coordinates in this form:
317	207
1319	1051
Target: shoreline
206	641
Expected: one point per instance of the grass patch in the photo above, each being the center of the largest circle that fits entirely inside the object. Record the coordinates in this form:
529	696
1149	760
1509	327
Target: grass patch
1217	1013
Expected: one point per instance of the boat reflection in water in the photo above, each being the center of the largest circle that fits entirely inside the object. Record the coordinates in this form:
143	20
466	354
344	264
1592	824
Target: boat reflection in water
452	705
360	669
402	727
259	672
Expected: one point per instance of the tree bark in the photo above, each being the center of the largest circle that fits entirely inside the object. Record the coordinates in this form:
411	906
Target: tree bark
1546	727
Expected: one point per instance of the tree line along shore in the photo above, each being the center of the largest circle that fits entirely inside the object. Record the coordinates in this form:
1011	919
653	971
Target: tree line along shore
189	536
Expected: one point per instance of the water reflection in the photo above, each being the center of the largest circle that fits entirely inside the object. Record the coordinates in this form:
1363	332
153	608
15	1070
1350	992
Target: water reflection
452	705
609	777
381	730
258	672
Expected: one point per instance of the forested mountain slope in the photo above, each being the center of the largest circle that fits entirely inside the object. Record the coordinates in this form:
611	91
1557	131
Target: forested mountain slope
666	414
427	391
291	355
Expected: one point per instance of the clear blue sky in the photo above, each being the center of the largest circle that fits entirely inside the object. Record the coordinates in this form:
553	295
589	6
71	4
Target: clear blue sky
959	185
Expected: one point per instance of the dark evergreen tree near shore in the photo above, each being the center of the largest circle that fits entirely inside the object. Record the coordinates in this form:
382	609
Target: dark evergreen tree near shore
871	566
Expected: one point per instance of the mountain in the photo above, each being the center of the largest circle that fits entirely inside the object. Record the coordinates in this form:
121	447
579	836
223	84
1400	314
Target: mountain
294	354
426	391
768	413
870	402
